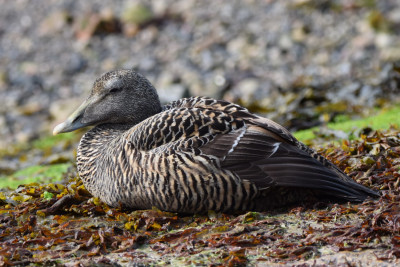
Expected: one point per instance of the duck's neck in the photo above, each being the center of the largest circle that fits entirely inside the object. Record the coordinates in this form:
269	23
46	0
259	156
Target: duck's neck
98	145
101	138
114	127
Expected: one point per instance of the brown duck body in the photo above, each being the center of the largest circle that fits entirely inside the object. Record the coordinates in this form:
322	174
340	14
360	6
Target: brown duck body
201	154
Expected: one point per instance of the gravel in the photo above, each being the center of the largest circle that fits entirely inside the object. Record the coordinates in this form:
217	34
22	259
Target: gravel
279	58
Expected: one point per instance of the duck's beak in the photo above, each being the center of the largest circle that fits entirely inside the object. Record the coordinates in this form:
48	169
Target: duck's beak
73	122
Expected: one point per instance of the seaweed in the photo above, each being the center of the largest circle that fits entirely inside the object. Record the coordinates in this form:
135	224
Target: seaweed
53	224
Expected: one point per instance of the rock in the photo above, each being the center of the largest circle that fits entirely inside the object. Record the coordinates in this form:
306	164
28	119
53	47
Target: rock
136	13
220	80
60	110
101	23
383	40
55	22
391	53
31	108
299	32
171	93
3	80
55	50
75	63
394	16
147	64
165	79
134	16
246	90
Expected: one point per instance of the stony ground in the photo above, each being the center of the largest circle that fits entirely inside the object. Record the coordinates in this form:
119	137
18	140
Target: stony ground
299	62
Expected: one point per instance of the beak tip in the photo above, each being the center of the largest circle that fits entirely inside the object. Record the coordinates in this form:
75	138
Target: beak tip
58	129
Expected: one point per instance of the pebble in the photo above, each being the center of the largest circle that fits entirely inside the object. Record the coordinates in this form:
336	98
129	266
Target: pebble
254	51
246	89
171	93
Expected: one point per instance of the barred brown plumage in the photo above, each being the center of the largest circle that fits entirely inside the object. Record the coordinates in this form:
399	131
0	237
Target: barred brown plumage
194	154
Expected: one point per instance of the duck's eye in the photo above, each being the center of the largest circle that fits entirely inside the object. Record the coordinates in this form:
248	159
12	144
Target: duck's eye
115	89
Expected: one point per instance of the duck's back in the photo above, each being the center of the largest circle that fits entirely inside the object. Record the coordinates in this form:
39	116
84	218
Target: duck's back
202	154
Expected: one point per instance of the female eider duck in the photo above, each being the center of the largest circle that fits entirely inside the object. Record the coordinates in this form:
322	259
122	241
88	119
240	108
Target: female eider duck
195	154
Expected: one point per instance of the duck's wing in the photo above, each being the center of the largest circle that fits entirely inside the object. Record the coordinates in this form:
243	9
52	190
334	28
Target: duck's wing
254	148
268	155
236	112
181	127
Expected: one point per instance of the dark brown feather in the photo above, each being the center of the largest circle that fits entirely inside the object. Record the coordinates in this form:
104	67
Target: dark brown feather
269	161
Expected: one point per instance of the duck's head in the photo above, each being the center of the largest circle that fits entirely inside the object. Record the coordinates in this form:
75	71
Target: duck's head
120	97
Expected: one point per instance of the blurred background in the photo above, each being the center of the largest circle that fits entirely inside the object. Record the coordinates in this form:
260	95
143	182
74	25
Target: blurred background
301	62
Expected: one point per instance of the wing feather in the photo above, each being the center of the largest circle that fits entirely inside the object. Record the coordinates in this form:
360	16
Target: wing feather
271	162
256	149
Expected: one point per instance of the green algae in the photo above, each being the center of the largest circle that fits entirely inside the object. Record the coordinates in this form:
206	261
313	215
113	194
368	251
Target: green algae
39	160
50	141
383	120
36	173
